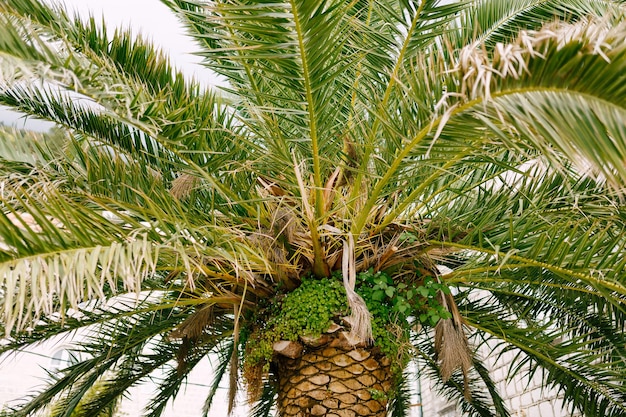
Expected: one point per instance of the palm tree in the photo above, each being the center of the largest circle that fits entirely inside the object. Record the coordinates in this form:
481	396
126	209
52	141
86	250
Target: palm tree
381	182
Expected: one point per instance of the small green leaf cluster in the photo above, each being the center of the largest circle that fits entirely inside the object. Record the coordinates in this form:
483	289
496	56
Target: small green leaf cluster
393	305
378	292
432	310
399	301
310	309
307	311
378	395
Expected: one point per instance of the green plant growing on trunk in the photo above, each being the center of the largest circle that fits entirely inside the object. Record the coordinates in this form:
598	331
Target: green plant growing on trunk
377	182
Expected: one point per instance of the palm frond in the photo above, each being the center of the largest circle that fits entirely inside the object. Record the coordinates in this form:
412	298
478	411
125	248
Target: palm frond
101	356
175	376
156	110
400	404
265	405
493	22
555	354
555	56
224	354
476	395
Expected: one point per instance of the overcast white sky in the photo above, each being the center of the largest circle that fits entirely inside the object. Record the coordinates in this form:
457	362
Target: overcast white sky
150	18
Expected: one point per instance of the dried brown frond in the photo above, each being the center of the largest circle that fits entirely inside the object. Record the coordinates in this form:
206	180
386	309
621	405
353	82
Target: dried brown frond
286	224
190	331
334	259
389	249
271	187
183	186
282	270
253	375
182	355
451	345
329	189
288	227
193	327
282	243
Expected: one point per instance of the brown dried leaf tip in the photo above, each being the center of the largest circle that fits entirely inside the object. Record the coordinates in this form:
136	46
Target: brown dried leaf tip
183	186
451	345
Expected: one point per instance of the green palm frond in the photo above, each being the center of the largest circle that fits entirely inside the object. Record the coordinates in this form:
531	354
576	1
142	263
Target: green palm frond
491	22
401	402
523	268
524	96
463	125
556	355
156	110
264	407
224	354
481	399
175	376
101	356
61	253
127	356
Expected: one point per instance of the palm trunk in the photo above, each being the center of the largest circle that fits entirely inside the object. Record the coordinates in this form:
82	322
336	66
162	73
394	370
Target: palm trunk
335	380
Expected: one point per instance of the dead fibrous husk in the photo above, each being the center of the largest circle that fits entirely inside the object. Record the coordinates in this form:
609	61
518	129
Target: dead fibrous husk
451	345
183	186
193	327
190	331
253	375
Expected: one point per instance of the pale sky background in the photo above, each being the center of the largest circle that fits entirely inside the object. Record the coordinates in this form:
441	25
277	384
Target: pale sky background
150	18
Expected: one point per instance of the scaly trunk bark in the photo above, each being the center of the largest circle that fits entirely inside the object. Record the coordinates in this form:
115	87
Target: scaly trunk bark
334	380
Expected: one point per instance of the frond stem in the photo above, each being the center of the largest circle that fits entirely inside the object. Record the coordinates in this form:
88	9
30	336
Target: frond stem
595	282
383	104
418	191
317	175
525	348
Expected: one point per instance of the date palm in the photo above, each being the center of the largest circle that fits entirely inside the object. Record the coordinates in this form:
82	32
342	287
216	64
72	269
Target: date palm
296	225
